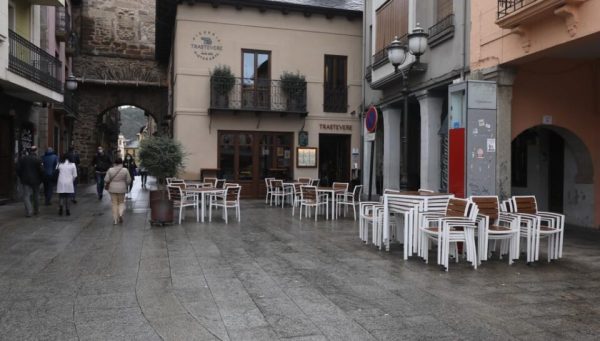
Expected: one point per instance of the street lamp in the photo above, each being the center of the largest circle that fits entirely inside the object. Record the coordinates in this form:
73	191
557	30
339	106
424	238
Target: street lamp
71	82
397	52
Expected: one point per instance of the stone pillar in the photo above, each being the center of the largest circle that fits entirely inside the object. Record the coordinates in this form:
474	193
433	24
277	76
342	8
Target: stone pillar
504	77
431	111
391	147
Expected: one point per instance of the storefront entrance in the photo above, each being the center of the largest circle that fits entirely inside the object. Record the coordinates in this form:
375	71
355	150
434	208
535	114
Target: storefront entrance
334	158
248	157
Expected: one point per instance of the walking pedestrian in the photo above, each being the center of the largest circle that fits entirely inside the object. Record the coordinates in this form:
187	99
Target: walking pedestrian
101	164
74	158
67	173
50	161
30	173
117	179
144	176
129	163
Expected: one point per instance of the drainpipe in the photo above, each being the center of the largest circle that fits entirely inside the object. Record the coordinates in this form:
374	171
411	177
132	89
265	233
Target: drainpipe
464	40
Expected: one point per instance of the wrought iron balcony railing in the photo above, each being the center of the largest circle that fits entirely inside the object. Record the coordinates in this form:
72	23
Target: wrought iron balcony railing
33	63
249	94
335	99
441	31
506	7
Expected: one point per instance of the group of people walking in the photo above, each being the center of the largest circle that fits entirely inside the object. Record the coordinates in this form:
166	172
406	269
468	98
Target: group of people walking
116	178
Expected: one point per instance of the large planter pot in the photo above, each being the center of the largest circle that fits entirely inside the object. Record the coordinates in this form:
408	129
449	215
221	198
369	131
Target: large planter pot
161	208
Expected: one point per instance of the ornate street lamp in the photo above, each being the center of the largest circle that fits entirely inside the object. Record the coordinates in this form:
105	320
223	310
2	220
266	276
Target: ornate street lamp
396	53
71	82
417	41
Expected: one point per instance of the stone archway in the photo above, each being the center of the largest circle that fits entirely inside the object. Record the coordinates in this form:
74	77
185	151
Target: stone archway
96	99
554	164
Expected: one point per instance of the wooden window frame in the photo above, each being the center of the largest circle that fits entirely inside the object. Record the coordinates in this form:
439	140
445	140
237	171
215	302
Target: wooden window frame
331	107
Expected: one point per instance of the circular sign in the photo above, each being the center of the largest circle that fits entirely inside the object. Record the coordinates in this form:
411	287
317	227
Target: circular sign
371	119
206	45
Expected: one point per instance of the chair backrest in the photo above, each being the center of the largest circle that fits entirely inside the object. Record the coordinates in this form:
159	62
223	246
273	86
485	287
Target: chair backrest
231	184
304	181
341	186
425	190
457	208
488	205
174	192
233	192
297	188
315	182
268	182
210	180
390	191
174	181
277	184
507	206
525	204
220	183
309	192
356	193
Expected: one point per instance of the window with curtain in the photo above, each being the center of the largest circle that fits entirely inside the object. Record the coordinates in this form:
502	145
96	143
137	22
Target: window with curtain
391	20
335	84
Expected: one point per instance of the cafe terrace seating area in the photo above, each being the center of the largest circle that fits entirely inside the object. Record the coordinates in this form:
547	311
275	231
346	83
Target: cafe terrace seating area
426	223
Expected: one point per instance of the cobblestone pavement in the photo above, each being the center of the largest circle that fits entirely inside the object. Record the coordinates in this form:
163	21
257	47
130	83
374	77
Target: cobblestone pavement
270	277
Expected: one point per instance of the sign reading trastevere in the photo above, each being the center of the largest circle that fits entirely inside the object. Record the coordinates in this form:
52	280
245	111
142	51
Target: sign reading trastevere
206	45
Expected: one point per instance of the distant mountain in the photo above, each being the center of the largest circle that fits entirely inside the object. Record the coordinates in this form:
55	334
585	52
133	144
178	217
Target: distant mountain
132	120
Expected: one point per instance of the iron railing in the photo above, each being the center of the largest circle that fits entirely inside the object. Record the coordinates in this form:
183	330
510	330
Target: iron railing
63	23
335	98
33	63
441	26
257	95
506	7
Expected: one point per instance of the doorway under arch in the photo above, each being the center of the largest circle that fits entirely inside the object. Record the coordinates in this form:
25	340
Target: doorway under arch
555	165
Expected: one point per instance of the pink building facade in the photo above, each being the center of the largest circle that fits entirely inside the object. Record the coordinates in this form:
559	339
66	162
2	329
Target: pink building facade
545	56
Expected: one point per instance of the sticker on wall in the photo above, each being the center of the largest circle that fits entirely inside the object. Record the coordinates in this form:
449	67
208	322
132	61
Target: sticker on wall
206	45
491	145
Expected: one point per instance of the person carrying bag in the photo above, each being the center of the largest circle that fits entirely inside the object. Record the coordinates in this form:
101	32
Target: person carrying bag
117	178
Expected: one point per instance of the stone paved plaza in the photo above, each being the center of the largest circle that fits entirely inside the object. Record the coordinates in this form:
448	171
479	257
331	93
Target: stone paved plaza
270	277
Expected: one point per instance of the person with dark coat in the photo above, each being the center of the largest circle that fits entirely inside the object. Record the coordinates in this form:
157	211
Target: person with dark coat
50	161
30	173
74	158
131	166
101	164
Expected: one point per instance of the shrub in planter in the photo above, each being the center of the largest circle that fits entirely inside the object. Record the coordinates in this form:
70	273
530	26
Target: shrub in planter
222	82
293	85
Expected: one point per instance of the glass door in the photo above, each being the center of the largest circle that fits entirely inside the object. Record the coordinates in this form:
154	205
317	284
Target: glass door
256	83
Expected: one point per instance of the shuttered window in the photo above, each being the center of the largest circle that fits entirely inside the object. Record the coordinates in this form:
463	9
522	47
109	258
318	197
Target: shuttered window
444	9
392	20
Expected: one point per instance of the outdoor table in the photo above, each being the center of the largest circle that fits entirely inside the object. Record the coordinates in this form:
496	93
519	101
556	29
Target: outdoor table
423	198
332	192
202	192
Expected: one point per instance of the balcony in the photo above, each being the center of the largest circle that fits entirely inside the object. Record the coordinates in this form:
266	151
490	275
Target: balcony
70	105
256	95
63	24
33	63
335	99
512	13
441	31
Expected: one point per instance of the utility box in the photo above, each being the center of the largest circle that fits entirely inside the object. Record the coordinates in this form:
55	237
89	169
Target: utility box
472	138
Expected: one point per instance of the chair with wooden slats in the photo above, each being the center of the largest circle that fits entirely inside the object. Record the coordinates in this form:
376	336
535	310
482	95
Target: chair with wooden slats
539	224
457	225
310	198
495	225
181	200
229	199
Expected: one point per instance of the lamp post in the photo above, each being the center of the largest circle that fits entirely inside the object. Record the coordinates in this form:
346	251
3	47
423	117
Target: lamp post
71	83
397	52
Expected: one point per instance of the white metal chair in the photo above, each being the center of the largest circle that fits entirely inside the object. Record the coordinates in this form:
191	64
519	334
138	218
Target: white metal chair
277	192
211	181
456	226
181	200
296	196
406	208
230	198
370	214
495	225
304	181
349	199
315	182
310	198
269	190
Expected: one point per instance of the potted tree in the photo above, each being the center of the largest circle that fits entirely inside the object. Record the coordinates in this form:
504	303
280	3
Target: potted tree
222	81
293	85
163	157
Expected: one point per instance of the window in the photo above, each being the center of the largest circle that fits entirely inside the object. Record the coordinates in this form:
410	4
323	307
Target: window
335	97
256	82
11	16
443	9
391	21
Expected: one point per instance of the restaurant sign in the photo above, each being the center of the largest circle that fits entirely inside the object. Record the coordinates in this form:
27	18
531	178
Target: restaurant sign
337	127
206	45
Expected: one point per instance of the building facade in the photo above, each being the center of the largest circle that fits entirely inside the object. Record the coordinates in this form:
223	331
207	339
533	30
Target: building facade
266	89
544	56
34	62
411	138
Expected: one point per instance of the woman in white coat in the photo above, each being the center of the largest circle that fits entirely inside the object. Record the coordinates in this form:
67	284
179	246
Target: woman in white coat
67	173
118	179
